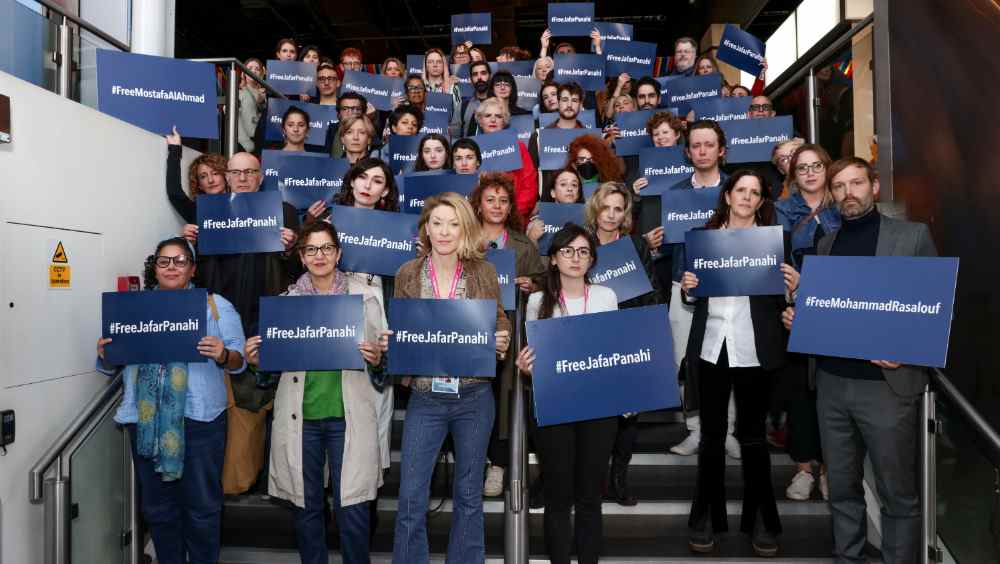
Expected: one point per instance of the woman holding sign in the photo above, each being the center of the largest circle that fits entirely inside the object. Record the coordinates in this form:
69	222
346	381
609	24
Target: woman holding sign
566	187
175	417
493	115
206	175
734	346
295	129
328	417
438	78
452	267
573	456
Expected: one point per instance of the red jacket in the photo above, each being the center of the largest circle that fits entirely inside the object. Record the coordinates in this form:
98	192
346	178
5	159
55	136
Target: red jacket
525	184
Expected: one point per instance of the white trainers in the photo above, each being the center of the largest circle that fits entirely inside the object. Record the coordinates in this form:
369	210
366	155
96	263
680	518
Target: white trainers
688	446
494	481
801	487
733	447
824	487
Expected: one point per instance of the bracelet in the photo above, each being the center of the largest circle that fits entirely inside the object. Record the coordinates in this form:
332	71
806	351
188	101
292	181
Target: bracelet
225	359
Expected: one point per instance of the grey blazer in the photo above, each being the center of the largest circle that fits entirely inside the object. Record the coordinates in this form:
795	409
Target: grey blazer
896	237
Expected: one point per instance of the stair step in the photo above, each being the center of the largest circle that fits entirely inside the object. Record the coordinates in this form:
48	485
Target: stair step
650	459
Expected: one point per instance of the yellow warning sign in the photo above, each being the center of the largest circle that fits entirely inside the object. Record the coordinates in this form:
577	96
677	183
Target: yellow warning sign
59	276
60	254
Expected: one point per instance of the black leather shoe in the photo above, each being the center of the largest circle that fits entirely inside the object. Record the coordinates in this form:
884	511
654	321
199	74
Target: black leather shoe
764	542
701	539
619	485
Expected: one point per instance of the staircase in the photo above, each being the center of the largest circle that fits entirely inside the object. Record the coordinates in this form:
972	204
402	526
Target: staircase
258	530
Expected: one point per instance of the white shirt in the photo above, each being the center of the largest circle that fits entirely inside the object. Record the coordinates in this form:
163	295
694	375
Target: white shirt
600	298
729	322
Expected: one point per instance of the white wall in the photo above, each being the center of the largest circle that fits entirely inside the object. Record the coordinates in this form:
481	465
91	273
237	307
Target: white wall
97	183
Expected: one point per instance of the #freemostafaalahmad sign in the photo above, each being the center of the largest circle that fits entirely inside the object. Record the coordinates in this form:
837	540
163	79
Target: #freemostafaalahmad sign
419	187
569	19
585	70
311	333
632	134
620	268
553	145
629	369
899	310
476	27
555	216
154	327
376	88
320	119
158	93
291	77
500	151
722	109
741	49
374	241
633	57
663	167
736	262
683	210
454	338
303	180
753	140
246	222
504	261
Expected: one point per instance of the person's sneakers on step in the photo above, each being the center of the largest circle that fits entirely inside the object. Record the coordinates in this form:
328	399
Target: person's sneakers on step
733	447
824	486
801	487
688	446
494	481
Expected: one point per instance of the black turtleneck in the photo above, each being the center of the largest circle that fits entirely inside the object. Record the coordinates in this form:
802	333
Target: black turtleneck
856	238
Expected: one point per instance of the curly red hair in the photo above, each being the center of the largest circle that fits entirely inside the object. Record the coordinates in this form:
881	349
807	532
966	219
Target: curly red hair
608	167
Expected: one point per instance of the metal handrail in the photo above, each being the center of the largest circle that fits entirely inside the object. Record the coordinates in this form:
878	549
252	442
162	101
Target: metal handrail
972	416
83	422
248	72
53	7
516	500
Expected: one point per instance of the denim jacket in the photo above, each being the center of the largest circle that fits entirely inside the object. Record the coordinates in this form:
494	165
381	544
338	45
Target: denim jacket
790	214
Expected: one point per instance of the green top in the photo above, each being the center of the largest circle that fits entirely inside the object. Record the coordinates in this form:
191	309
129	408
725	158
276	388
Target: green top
324	395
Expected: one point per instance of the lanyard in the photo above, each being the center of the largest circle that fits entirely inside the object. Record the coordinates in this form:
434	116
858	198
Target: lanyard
562	300
503	239
454	281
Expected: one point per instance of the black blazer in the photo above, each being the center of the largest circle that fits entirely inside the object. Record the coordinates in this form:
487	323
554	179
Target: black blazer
770	336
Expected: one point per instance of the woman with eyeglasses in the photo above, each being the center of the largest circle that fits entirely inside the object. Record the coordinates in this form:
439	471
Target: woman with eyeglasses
174	414
492	115
593	160
573	456
415	91
437	76
328	417
450	266
460	53
504	87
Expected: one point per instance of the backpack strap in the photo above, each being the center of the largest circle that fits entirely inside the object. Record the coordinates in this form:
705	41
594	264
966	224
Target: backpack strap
215	310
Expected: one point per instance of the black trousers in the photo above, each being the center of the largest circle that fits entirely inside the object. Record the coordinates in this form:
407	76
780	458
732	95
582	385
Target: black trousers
803	422
628	431
750	388
498	450
574	461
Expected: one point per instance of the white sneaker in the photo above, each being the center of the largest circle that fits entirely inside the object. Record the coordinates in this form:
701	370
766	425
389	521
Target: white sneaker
688	446
494	481
733	447
801	487
824	487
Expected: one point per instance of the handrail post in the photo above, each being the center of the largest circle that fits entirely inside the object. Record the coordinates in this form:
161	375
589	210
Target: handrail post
63	58
232	110
928	477
516	502
131	503
57	516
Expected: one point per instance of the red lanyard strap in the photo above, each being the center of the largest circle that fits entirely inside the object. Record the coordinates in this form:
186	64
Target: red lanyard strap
454	281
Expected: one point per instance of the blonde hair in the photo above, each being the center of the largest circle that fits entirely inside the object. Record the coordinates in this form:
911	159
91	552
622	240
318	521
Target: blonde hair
470	245
494	102
534	68
349	121
592	209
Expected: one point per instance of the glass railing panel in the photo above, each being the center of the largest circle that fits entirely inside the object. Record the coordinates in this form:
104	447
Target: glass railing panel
85	55
27	41
968	506
98	491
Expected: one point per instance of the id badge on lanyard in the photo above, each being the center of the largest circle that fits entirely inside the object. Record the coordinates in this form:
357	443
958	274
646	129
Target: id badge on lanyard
444	384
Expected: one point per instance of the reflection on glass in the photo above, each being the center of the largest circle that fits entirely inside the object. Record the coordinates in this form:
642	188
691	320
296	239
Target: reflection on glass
97	489
28	39
835	108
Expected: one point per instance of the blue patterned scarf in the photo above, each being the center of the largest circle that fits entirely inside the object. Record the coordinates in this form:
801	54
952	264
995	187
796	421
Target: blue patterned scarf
161	393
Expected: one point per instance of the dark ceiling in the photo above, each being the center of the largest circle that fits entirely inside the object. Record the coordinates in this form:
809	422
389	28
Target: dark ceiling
381	28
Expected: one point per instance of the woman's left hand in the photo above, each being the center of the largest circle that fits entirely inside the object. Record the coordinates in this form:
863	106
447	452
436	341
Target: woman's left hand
791	278
503	342
595	38
212	347
287	238
524	283
383	340
371	352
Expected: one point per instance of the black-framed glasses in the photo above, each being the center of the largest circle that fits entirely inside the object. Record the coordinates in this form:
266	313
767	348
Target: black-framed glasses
583	160
326	79
248	172
180	261
311	250
761	107
415	88
351	109
570	252
815	167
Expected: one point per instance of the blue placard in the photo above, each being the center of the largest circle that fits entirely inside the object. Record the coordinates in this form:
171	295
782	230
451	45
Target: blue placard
589	188
736	262
634	57
443	337
553	145
311	333
154	327
555	216
753	140
320	119
403	152
524	126
303	180
620	268
586	117
477	28
630	368
501	151
376	88
435	122
728	108
527	92
681	92
438	103
461	74
614	31
686	209
663	167
415	64
632	134
903	317
585	70
247	222
374	241
158	93
419	187
272	160
569	19
292	77
504	261
519	69
741	49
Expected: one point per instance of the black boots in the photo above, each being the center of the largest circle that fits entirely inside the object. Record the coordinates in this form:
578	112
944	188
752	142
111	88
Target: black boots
619	484
764	542
702	539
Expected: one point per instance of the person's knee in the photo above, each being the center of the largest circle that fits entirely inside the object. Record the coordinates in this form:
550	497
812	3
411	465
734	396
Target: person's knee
161	512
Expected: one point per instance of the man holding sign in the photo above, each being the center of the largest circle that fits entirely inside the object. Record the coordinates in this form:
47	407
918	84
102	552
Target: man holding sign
873	405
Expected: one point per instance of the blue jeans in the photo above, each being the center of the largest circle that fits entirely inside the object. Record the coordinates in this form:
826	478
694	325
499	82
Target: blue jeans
184	516
323	439
429	419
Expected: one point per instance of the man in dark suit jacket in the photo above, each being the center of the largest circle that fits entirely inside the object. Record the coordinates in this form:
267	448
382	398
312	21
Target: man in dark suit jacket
869	407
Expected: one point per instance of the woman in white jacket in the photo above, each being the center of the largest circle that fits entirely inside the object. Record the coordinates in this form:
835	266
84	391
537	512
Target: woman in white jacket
328	417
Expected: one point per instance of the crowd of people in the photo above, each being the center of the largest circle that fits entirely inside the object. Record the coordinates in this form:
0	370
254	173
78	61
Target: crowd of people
741	390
